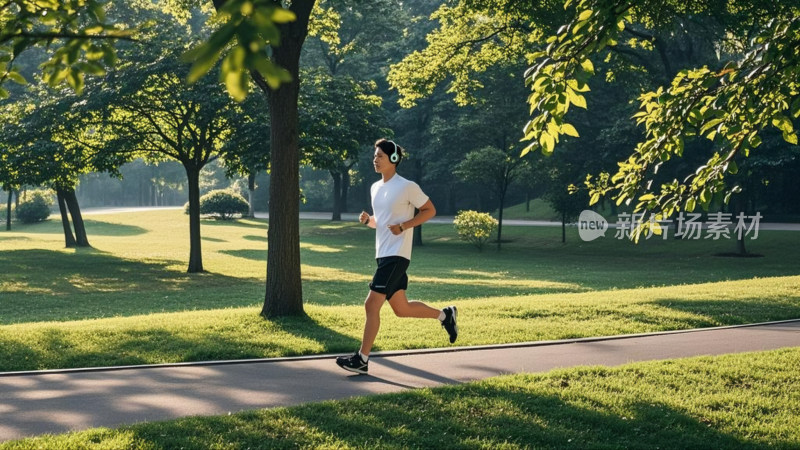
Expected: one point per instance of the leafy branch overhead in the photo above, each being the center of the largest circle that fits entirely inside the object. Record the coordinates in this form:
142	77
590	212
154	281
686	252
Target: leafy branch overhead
248	29
729	106
82	39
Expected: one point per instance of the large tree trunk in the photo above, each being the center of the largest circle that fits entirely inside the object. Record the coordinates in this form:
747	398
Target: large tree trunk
8	209
337	196
195	249
284	289
77	220
251	194
69	238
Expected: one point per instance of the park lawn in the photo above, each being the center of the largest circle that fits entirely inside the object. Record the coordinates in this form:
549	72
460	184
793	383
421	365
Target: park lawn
128	300
237	333
138	261
749	400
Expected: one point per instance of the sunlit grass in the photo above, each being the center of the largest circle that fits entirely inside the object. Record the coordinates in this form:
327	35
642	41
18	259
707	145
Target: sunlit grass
733	401
535	288
241	333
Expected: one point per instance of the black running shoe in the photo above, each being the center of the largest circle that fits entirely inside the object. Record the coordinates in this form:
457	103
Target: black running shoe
353	363
449	322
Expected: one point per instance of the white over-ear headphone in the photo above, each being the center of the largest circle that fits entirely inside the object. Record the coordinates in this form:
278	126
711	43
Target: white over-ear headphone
394	157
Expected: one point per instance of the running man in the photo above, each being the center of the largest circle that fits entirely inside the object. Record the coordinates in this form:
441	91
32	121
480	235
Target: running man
393	201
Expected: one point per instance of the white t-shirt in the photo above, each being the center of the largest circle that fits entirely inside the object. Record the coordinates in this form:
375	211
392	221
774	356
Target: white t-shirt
393	203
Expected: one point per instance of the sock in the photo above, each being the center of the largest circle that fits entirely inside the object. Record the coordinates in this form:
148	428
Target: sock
442	316
364	357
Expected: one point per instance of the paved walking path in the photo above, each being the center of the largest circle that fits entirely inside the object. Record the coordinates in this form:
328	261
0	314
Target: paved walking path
59	401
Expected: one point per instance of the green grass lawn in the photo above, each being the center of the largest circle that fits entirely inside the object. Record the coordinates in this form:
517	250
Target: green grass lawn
128	300
747	401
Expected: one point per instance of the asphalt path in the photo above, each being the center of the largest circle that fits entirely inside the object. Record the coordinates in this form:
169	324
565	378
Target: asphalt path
59	401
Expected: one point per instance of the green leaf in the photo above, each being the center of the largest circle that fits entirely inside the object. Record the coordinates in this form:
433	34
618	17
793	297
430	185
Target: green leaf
569	130
236	82
795	109
547	142
578	100
17	77
281	15
273	74
109	56
710	124
587	66
690	204
585	14
204	60
790	138
782	123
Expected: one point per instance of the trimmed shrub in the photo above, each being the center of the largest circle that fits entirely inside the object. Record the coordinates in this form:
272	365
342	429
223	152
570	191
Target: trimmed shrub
474	227
223	204
35	208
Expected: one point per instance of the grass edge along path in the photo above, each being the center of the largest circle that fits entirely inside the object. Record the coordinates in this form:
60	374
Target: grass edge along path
240	333
746	400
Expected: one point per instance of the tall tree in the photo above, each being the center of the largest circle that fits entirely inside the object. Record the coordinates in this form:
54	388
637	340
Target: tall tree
145	109
283	44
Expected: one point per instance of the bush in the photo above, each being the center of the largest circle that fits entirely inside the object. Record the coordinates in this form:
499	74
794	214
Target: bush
475	227
35	208
223	204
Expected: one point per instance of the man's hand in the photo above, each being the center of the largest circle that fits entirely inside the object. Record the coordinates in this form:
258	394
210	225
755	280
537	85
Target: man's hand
396	229
364	218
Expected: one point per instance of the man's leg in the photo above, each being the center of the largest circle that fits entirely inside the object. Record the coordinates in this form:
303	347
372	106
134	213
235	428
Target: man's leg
404	308
372	307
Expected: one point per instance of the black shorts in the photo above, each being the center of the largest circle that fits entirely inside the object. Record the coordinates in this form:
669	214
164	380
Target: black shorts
390	276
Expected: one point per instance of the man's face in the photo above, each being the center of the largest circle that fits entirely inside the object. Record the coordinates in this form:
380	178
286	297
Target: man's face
380	161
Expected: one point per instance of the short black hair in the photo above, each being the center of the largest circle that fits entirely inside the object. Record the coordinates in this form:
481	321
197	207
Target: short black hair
390	147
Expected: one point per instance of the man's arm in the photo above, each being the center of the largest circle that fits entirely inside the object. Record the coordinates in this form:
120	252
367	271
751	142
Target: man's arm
426	213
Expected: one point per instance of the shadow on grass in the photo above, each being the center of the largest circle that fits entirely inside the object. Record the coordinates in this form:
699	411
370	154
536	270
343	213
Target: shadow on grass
243	223
93	228
462	417
740	311
59	349
253	255
658	315
253	237
42	285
